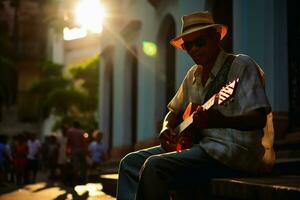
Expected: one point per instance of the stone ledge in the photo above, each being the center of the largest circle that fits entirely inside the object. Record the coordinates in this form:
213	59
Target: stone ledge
278	187
273	187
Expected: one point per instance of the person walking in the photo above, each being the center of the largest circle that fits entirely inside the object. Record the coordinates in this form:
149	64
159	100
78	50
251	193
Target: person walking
77	148
33	157
97	152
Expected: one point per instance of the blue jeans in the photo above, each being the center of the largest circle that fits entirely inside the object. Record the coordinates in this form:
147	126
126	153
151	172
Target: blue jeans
152	173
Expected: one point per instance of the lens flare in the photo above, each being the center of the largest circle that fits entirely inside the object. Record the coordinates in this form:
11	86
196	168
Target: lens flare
89	14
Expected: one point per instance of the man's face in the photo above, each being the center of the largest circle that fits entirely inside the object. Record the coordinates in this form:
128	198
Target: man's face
202	46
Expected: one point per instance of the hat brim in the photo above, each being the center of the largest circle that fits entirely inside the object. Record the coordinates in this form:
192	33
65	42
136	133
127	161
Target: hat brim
178	41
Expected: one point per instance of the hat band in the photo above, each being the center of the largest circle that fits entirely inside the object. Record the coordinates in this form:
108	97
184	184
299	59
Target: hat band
194	25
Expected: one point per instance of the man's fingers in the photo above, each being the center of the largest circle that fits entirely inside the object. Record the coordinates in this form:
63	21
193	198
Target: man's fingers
200	119
199	109
172	132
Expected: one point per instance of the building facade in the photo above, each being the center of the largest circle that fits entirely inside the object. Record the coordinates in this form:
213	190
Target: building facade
136	86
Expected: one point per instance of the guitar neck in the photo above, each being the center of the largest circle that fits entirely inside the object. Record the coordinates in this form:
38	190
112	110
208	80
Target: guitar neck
184	124
209	103
188	121
222	96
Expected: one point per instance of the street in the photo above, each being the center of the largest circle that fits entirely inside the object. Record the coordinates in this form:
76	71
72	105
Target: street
46	190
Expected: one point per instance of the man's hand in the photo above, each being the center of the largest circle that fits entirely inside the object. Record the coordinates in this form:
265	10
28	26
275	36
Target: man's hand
168	139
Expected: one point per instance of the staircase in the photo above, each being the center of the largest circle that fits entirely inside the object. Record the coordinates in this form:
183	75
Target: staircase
282	183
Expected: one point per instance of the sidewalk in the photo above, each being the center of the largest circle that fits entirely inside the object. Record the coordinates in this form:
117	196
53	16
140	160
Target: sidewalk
53	190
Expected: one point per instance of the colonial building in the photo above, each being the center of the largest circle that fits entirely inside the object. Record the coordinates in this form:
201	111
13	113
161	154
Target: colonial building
21	22
135	85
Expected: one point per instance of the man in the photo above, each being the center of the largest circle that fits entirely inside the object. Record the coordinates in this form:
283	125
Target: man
62	157
232	139
97	152
33	157
76	147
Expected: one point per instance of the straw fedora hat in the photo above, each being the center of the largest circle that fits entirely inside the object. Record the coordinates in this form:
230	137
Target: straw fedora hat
195	22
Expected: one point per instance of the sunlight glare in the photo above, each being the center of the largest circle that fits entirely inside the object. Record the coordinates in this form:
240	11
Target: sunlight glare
74	33
93	189
89	15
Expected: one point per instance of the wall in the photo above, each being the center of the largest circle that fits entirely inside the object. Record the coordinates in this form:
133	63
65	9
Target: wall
259	30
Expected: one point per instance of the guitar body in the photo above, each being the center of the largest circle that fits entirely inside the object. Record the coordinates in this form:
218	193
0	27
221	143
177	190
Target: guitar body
180	142
184	138
187	138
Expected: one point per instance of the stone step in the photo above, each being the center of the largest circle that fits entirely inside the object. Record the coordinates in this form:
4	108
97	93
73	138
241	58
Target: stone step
287	166
288	153
271	187
291	142
283	182
274	187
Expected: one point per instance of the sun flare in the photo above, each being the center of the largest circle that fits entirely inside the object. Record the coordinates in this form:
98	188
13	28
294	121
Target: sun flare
89	15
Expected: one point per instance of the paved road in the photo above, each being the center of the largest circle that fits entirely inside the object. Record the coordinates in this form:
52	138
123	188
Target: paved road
49	190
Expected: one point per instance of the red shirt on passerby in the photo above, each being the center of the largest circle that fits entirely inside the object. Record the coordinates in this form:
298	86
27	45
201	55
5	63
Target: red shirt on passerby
75	139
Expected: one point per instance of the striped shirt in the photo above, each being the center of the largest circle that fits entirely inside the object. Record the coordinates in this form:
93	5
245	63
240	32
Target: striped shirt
243	150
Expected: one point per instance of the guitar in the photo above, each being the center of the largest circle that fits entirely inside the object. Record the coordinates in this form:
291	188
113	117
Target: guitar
185	136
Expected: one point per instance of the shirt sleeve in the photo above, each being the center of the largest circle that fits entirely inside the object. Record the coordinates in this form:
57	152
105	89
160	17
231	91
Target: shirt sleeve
181	98
251	93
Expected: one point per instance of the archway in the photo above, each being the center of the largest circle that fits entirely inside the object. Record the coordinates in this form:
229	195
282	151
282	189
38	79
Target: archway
165	68
131	91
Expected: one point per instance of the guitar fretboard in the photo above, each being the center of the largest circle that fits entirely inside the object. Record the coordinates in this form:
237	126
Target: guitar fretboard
224	94
207	105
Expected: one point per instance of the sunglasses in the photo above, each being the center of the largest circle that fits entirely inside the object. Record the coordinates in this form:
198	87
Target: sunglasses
198	42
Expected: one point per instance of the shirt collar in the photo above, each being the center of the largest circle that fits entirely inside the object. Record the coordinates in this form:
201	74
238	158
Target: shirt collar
218	64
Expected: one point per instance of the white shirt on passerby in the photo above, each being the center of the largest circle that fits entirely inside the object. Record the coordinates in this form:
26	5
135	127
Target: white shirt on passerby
62	157
33	149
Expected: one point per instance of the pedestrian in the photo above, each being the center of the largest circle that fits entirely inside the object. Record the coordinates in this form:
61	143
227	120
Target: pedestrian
77	148
227	140
97	152
8	160
20	159
33	157
3	159
53	148
62	156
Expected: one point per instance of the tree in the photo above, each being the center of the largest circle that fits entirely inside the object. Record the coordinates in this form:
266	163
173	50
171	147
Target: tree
74	97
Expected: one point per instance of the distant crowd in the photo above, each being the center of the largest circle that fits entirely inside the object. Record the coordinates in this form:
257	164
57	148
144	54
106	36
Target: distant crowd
68	157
